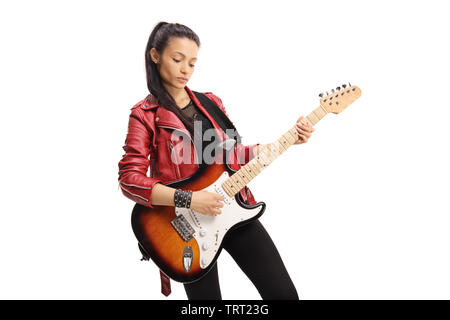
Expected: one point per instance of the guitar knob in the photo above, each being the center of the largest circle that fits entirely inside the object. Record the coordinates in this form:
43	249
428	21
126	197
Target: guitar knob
202	233
205	246
204	261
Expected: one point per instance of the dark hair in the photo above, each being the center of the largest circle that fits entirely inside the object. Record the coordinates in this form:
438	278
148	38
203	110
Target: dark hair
159	39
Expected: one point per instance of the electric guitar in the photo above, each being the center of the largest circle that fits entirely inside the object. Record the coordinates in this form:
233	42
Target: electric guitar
185	244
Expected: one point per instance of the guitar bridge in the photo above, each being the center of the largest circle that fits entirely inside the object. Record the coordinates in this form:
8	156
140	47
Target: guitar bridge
182	226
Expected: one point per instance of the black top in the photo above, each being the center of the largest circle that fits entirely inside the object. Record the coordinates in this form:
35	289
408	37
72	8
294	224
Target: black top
195	115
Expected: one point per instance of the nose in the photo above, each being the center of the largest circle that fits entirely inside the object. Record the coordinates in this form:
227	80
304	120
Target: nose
184	67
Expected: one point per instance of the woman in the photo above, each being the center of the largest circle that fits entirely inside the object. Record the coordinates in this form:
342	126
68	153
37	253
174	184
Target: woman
170	58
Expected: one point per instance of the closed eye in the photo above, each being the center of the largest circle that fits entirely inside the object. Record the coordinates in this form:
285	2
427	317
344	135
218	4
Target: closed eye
192	65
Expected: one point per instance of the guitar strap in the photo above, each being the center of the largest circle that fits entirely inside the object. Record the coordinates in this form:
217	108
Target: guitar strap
221	118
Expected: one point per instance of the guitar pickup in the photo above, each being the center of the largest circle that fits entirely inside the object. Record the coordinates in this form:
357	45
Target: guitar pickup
182	226
219	190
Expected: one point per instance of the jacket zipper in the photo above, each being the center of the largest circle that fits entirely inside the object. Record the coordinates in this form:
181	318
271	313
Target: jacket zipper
198	166
175	165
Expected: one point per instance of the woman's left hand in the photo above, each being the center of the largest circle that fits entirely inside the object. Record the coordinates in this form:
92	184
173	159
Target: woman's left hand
304	130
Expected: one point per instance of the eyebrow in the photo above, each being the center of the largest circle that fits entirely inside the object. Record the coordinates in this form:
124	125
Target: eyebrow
184	54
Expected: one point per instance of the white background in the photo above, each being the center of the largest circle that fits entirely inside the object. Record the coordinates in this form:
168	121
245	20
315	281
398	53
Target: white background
359	212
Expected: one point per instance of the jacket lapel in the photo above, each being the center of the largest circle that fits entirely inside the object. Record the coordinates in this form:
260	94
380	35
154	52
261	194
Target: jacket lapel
164	117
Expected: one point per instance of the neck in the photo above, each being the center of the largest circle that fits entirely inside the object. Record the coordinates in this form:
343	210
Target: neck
180	95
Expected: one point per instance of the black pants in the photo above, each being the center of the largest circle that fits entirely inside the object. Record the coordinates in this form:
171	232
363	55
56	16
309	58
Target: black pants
254	251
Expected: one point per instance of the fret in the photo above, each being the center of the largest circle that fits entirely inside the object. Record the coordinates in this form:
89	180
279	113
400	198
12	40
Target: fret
279	149
232	186
251	168
318	112
288	138
237	181
245	175
324	111
226	185
267	159
249	171
308	118
273	153
284	142
256	170
315	117
238	178
294	133
291	137
270	156
263	160
257	164
227	189
271	150
280	146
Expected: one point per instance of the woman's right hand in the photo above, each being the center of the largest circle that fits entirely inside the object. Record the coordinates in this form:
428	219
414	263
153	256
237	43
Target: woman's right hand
206	202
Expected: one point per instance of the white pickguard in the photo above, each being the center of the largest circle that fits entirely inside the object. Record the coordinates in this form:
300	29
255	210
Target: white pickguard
210	230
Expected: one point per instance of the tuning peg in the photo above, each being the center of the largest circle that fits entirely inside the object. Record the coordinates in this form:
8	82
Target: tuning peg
338	88
344	86
321	94
349	84
327	92
332	90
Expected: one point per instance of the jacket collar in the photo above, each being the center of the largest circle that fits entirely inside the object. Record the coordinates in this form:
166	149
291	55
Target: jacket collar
164	117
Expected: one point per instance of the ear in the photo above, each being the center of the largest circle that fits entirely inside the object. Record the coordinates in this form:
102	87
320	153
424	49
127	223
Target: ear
154	55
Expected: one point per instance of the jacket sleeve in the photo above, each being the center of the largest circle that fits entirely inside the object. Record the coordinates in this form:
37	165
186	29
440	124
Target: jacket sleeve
245	153
134	164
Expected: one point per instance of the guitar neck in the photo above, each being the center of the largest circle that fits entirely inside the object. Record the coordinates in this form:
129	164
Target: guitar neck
267	155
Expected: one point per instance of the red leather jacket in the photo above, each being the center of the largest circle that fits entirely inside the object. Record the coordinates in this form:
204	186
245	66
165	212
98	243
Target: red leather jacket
148	148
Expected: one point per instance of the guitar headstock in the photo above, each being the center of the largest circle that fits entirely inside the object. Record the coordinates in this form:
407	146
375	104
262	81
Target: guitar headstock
340	98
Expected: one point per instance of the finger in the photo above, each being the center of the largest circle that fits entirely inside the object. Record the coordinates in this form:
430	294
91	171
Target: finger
218	204
302	132
308	128
220	197
304	123
301	126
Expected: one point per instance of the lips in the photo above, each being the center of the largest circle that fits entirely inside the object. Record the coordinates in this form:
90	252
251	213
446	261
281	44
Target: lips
182	79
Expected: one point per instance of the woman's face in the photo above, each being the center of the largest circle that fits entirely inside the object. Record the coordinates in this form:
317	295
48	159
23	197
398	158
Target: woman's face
177	61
